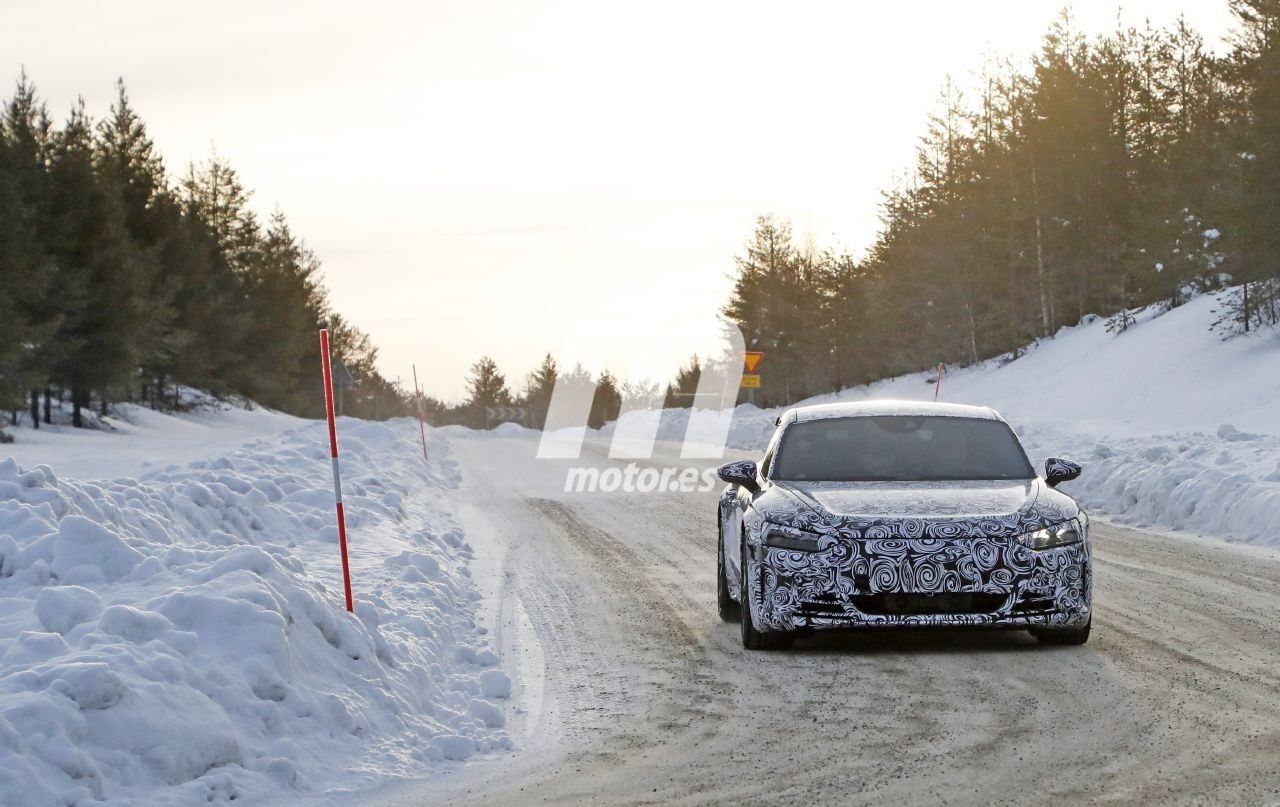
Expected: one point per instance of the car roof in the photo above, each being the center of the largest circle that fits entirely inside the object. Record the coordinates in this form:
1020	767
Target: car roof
889	407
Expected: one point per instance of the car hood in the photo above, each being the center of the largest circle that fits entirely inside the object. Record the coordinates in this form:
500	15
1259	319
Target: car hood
916	499
917	509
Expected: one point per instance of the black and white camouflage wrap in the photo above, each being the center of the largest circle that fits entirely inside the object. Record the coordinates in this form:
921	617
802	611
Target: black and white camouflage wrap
1057	470
741	468
907	538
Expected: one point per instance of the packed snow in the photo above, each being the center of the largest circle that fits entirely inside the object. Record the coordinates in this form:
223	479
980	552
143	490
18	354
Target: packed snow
176	634
1177	427
154	440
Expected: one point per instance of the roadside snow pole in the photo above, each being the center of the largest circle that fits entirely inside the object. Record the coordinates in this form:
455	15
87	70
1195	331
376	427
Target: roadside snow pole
937	387
417	395
333	454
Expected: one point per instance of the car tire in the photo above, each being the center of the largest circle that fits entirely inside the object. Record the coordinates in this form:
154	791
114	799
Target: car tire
727	606
753	639
1063	636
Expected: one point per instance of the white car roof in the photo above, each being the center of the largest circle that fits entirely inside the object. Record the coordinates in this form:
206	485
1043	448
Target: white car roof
889	407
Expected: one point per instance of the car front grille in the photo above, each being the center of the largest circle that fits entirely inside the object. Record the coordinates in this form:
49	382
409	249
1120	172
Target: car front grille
901	604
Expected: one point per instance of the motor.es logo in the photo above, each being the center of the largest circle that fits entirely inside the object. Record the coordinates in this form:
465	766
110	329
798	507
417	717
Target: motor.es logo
641	423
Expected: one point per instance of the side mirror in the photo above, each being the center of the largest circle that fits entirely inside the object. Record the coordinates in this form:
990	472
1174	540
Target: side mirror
1057	471
741	473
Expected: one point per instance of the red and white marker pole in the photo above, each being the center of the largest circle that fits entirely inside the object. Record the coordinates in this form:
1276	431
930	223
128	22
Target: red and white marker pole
333	454
417	395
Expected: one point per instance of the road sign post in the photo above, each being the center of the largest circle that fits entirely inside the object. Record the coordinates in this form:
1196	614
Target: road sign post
506	414
341	380
750	378
333	455
417	394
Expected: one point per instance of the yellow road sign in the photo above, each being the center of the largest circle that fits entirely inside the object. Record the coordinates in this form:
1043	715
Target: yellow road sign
750	381
751	360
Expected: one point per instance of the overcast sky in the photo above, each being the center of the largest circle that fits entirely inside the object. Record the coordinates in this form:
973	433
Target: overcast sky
509	177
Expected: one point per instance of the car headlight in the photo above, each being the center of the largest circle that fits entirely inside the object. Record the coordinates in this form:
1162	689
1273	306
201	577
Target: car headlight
783	537
1064	534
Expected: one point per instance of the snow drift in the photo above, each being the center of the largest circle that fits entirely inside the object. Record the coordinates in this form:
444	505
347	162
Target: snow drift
180	638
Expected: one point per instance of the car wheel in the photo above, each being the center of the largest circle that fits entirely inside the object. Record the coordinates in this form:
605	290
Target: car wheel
1063	636
729	610
753	639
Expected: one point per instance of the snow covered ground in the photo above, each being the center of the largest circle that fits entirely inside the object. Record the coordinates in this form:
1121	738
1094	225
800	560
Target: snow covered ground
1176	427
174	633
154	440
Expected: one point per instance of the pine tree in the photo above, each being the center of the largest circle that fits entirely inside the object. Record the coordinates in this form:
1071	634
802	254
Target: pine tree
213	191
772	296
486	388
213	194
1257	71
25	270
27	133
850	322
286	306
371	395
98	279
126	158
129	166
538	389
606	405
682	391
207	301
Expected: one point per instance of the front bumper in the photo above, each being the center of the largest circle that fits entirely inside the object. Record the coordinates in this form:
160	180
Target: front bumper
995	582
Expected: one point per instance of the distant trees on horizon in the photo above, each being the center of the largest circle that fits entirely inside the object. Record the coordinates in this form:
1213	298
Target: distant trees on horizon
488	389
117	284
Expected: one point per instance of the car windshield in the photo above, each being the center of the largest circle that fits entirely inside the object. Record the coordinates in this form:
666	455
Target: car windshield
899	448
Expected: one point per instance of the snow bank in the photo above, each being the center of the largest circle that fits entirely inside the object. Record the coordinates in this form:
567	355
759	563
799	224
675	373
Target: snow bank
135	440
1168	373
1213	484
180	638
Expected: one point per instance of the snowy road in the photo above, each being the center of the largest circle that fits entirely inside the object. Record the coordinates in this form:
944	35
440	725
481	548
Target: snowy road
637	693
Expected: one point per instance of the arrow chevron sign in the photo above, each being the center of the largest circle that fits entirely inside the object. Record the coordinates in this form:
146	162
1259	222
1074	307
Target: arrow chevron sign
502	414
